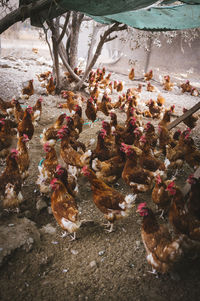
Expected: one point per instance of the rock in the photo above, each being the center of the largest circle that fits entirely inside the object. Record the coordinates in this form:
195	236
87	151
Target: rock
138	243
48	229
101	252
28	214
49	210
41	204
23	234
74	252
93	264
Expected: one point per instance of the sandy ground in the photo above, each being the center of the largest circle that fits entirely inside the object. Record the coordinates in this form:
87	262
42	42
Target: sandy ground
37	262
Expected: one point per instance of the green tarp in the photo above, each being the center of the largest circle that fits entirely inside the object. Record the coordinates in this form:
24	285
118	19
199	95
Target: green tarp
164	18
134	13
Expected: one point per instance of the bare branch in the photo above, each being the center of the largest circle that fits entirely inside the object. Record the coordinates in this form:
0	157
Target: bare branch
64	27
103	38
110	39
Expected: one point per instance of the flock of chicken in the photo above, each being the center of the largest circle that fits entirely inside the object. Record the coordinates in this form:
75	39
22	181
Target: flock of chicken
134	151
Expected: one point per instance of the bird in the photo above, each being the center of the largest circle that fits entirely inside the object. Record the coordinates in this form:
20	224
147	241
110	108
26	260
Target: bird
163	251
64	208
109	201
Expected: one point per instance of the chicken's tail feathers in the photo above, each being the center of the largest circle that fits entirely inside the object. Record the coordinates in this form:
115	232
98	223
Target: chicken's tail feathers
86	156
96	164
130	200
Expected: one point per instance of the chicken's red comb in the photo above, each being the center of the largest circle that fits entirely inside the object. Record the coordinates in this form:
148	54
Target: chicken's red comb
46	146
141	206
53	181
191	179
158	179
58	167
25	137
103	131
14	151
171	185
2	121
143	138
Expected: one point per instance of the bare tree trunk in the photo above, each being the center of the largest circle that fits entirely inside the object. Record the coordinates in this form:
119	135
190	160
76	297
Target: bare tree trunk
148	55
95	30
54	27
75	30
47	41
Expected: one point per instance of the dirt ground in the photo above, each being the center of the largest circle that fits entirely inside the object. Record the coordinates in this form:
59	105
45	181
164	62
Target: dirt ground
41	264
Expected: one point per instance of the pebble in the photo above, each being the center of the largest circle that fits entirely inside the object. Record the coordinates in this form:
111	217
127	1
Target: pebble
49	210
48	229
41	204
138	243
93	264
54	242
101	253
65	270
74	252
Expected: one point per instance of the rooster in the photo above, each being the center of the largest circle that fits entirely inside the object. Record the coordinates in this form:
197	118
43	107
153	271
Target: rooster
103	106
102	150
47	168
64	208
186	87
154	109
29	89
43	76
67	152
182	221
160	100
69	180
17	111
77	118
23	159
108	200
11	182
131	75
50	134
50	86
26	126
148	161
91	111
105	82
109	170
148	75
162	250
37	110
137	178
72	101
6	107
167	84
150	134
120	86
160	195
6	138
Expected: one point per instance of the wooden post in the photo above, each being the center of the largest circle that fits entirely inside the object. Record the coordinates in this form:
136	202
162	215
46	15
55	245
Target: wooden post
184	116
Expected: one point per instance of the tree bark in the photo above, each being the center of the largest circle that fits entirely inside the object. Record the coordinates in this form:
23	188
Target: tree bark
22	13
54	27
75	30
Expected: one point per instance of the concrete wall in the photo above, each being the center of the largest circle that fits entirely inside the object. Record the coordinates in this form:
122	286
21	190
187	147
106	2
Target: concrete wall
177	59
